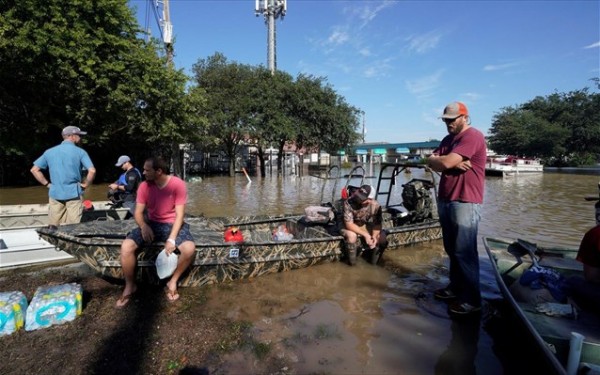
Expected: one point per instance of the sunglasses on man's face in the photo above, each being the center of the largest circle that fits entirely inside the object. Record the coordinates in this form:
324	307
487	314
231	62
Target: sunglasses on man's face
450	120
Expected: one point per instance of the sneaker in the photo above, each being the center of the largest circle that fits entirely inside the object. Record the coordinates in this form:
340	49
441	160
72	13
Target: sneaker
444	294
463	308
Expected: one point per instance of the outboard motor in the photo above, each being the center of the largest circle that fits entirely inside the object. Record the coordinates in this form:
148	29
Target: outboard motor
416	198
115	197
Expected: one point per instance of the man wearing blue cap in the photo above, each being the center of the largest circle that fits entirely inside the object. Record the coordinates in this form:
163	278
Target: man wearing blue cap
64	163
125	188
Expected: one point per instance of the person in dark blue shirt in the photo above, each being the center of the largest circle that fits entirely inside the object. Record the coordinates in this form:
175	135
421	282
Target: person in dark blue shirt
123	191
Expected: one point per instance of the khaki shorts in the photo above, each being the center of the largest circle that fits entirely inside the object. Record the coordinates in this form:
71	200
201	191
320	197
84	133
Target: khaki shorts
65	212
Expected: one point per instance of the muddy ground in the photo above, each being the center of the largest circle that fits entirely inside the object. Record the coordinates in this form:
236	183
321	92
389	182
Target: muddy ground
150	336
327	319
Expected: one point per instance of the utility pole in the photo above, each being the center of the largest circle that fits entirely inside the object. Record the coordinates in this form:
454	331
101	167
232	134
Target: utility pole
364	129
166	29
271	9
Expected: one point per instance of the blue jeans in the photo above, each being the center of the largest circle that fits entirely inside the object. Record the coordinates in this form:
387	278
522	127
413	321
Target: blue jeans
130	205
460	222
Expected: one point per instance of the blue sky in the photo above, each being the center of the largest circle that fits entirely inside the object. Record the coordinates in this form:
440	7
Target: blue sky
402	61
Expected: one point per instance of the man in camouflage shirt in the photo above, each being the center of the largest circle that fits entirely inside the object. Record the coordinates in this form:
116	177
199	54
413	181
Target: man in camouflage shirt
363	218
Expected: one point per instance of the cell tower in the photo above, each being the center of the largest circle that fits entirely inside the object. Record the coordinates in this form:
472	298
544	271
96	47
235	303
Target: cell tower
160	10
271	9
166	28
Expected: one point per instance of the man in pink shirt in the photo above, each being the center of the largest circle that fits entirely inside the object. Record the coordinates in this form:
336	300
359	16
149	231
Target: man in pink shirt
163	197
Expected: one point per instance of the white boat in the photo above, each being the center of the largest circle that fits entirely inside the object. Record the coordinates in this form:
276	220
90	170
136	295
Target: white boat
21	245
510	165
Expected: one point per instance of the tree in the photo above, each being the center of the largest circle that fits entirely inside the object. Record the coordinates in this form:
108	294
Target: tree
228	103
249	104
272	123
559	127
80	62
326	121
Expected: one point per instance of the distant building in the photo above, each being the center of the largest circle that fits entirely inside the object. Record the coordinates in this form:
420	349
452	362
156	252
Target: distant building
392	152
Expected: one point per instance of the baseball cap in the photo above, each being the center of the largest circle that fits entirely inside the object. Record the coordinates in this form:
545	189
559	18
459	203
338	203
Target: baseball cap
70	130
364	192
122	160
454	110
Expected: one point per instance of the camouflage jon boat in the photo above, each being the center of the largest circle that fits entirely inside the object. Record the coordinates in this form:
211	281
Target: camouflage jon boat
98	245
410	234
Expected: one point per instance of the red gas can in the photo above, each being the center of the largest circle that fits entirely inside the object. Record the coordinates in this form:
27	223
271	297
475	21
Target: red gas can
233	234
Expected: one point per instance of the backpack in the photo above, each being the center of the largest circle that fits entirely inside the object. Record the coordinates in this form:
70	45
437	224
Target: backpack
416	198
318	214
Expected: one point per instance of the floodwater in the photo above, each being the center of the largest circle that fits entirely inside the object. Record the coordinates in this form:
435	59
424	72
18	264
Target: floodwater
337	319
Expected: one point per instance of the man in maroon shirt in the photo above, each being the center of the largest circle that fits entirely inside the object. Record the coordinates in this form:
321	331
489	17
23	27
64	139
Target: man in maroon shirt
585	290
461	159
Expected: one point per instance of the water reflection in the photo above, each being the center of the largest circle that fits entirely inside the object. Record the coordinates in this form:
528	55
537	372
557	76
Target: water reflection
547	207
338	319
459	357
317	318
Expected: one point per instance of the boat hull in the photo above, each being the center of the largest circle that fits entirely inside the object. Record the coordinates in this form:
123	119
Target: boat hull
509	171
215	261
513	166
98	245
21	247
27	216
509	260
399	236
20	244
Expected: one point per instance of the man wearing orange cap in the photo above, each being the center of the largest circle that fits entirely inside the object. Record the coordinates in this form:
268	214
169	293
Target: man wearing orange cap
461	159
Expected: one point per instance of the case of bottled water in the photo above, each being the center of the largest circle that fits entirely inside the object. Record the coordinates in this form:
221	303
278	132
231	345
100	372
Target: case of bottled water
13	306
54	304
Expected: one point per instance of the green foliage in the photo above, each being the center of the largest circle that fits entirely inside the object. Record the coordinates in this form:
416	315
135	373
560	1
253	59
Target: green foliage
238	335
248	104
81	62
324	332
228	104
328	122
561	128
172	366
261	350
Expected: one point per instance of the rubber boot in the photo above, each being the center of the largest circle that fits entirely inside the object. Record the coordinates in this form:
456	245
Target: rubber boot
377	253
351	250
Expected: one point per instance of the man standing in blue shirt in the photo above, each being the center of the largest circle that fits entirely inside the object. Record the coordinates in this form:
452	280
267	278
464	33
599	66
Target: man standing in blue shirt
65	163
